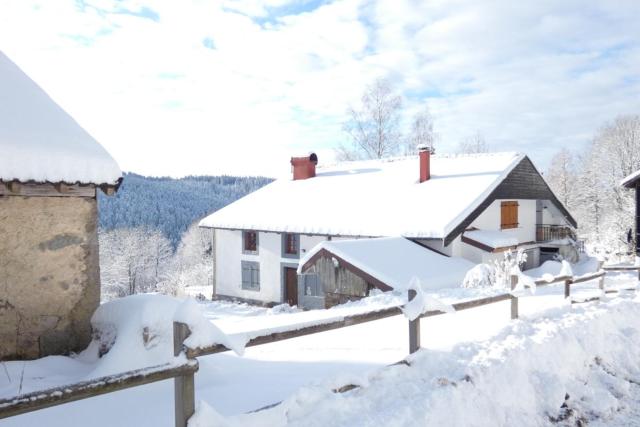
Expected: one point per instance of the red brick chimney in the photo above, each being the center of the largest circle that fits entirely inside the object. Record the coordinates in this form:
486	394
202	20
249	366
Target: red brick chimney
425	162
304	167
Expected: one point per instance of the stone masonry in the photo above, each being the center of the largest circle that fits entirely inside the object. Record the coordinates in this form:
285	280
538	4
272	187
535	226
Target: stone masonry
49	275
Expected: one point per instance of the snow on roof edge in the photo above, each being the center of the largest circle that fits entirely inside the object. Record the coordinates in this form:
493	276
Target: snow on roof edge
210	222
630	178
51	146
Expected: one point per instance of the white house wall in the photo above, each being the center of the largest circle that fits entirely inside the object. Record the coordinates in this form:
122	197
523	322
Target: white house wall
228	269
526	230
228	266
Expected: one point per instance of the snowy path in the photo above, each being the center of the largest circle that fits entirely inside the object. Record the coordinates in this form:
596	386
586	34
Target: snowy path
270	373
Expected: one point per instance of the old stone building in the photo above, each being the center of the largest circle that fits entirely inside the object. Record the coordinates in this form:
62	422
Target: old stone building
50	171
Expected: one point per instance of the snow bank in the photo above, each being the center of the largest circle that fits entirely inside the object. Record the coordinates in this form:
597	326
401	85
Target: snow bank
40	141
137	332
492	238
574	364
372	198
396	261
550	269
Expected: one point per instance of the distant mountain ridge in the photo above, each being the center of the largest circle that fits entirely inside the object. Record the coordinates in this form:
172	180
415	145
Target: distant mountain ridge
170	205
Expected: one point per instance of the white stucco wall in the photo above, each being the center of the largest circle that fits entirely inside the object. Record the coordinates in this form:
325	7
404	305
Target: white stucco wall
526	230
229	256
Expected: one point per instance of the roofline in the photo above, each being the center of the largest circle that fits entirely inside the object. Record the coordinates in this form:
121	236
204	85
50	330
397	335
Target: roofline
492	196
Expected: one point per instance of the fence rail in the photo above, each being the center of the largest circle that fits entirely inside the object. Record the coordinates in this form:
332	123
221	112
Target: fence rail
183	374
42	399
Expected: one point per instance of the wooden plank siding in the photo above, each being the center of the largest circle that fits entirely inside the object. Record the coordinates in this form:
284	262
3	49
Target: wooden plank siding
49	189
343	283
523	182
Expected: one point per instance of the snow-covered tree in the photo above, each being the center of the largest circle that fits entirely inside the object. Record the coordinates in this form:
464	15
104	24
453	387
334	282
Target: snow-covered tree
132	260
562	177
192	264
604	209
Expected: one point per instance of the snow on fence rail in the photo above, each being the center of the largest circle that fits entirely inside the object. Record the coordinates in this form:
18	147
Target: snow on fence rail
69	393
183	373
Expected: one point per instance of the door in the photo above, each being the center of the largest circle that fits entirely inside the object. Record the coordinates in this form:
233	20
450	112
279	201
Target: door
291	286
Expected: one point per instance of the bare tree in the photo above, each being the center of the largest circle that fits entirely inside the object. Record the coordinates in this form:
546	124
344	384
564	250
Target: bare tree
473	145
374	126
421	132
562	177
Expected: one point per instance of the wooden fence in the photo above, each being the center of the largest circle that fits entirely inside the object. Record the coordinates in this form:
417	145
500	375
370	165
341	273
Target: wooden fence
183	373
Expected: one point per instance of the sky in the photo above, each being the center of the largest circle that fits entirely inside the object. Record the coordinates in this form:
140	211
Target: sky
196	87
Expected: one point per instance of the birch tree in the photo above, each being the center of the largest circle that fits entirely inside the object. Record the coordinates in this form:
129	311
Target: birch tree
421	132
374	126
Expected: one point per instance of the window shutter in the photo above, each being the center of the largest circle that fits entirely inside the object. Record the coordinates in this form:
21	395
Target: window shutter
245	275
509	214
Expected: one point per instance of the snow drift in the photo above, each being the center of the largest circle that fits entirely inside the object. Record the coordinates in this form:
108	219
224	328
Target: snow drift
576	364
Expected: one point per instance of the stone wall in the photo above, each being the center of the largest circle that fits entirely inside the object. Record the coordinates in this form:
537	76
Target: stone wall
49	275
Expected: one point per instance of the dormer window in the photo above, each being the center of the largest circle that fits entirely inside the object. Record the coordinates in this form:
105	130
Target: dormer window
508	215
250	242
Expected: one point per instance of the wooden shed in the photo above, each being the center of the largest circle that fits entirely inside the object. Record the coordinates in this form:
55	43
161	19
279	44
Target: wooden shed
50	172
338	271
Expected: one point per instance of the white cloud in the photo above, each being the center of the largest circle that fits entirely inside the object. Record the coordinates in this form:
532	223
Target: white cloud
529	76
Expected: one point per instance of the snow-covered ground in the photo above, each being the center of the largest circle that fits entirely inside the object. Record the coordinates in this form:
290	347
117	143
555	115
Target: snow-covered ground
518	371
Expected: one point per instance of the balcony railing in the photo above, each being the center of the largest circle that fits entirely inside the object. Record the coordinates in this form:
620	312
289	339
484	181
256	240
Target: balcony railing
548	232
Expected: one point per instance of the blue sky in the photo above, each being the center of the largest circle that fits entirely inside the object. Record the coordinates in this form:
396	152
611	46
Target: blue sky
238	86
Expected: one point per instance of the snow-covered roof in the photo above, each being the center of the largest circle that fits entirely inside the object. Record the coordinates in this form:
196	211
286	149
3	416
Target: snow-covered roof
395	261
372	198
631	179
493	238
40	142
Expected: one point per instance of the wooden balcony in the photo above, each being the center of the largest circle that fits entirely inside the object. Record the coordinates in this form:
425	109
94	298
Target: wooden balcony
548	232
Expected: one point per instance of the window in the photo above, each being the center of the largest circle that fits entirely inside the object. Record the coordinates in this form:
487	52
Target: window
508	215
290	245
250	275
250	242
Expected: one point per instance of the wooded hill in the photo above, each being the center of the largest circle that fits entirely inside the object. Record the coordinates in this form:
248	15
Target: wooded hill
170	205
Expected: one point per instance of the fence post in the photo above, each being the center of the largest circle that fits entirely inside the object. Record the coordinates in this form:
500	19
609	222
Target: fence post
414	329
567	288
514	299
184	387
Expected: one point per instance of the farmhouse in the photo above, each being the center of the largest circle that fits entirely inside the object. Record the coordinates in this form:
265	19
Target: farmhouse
468	206
50	170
